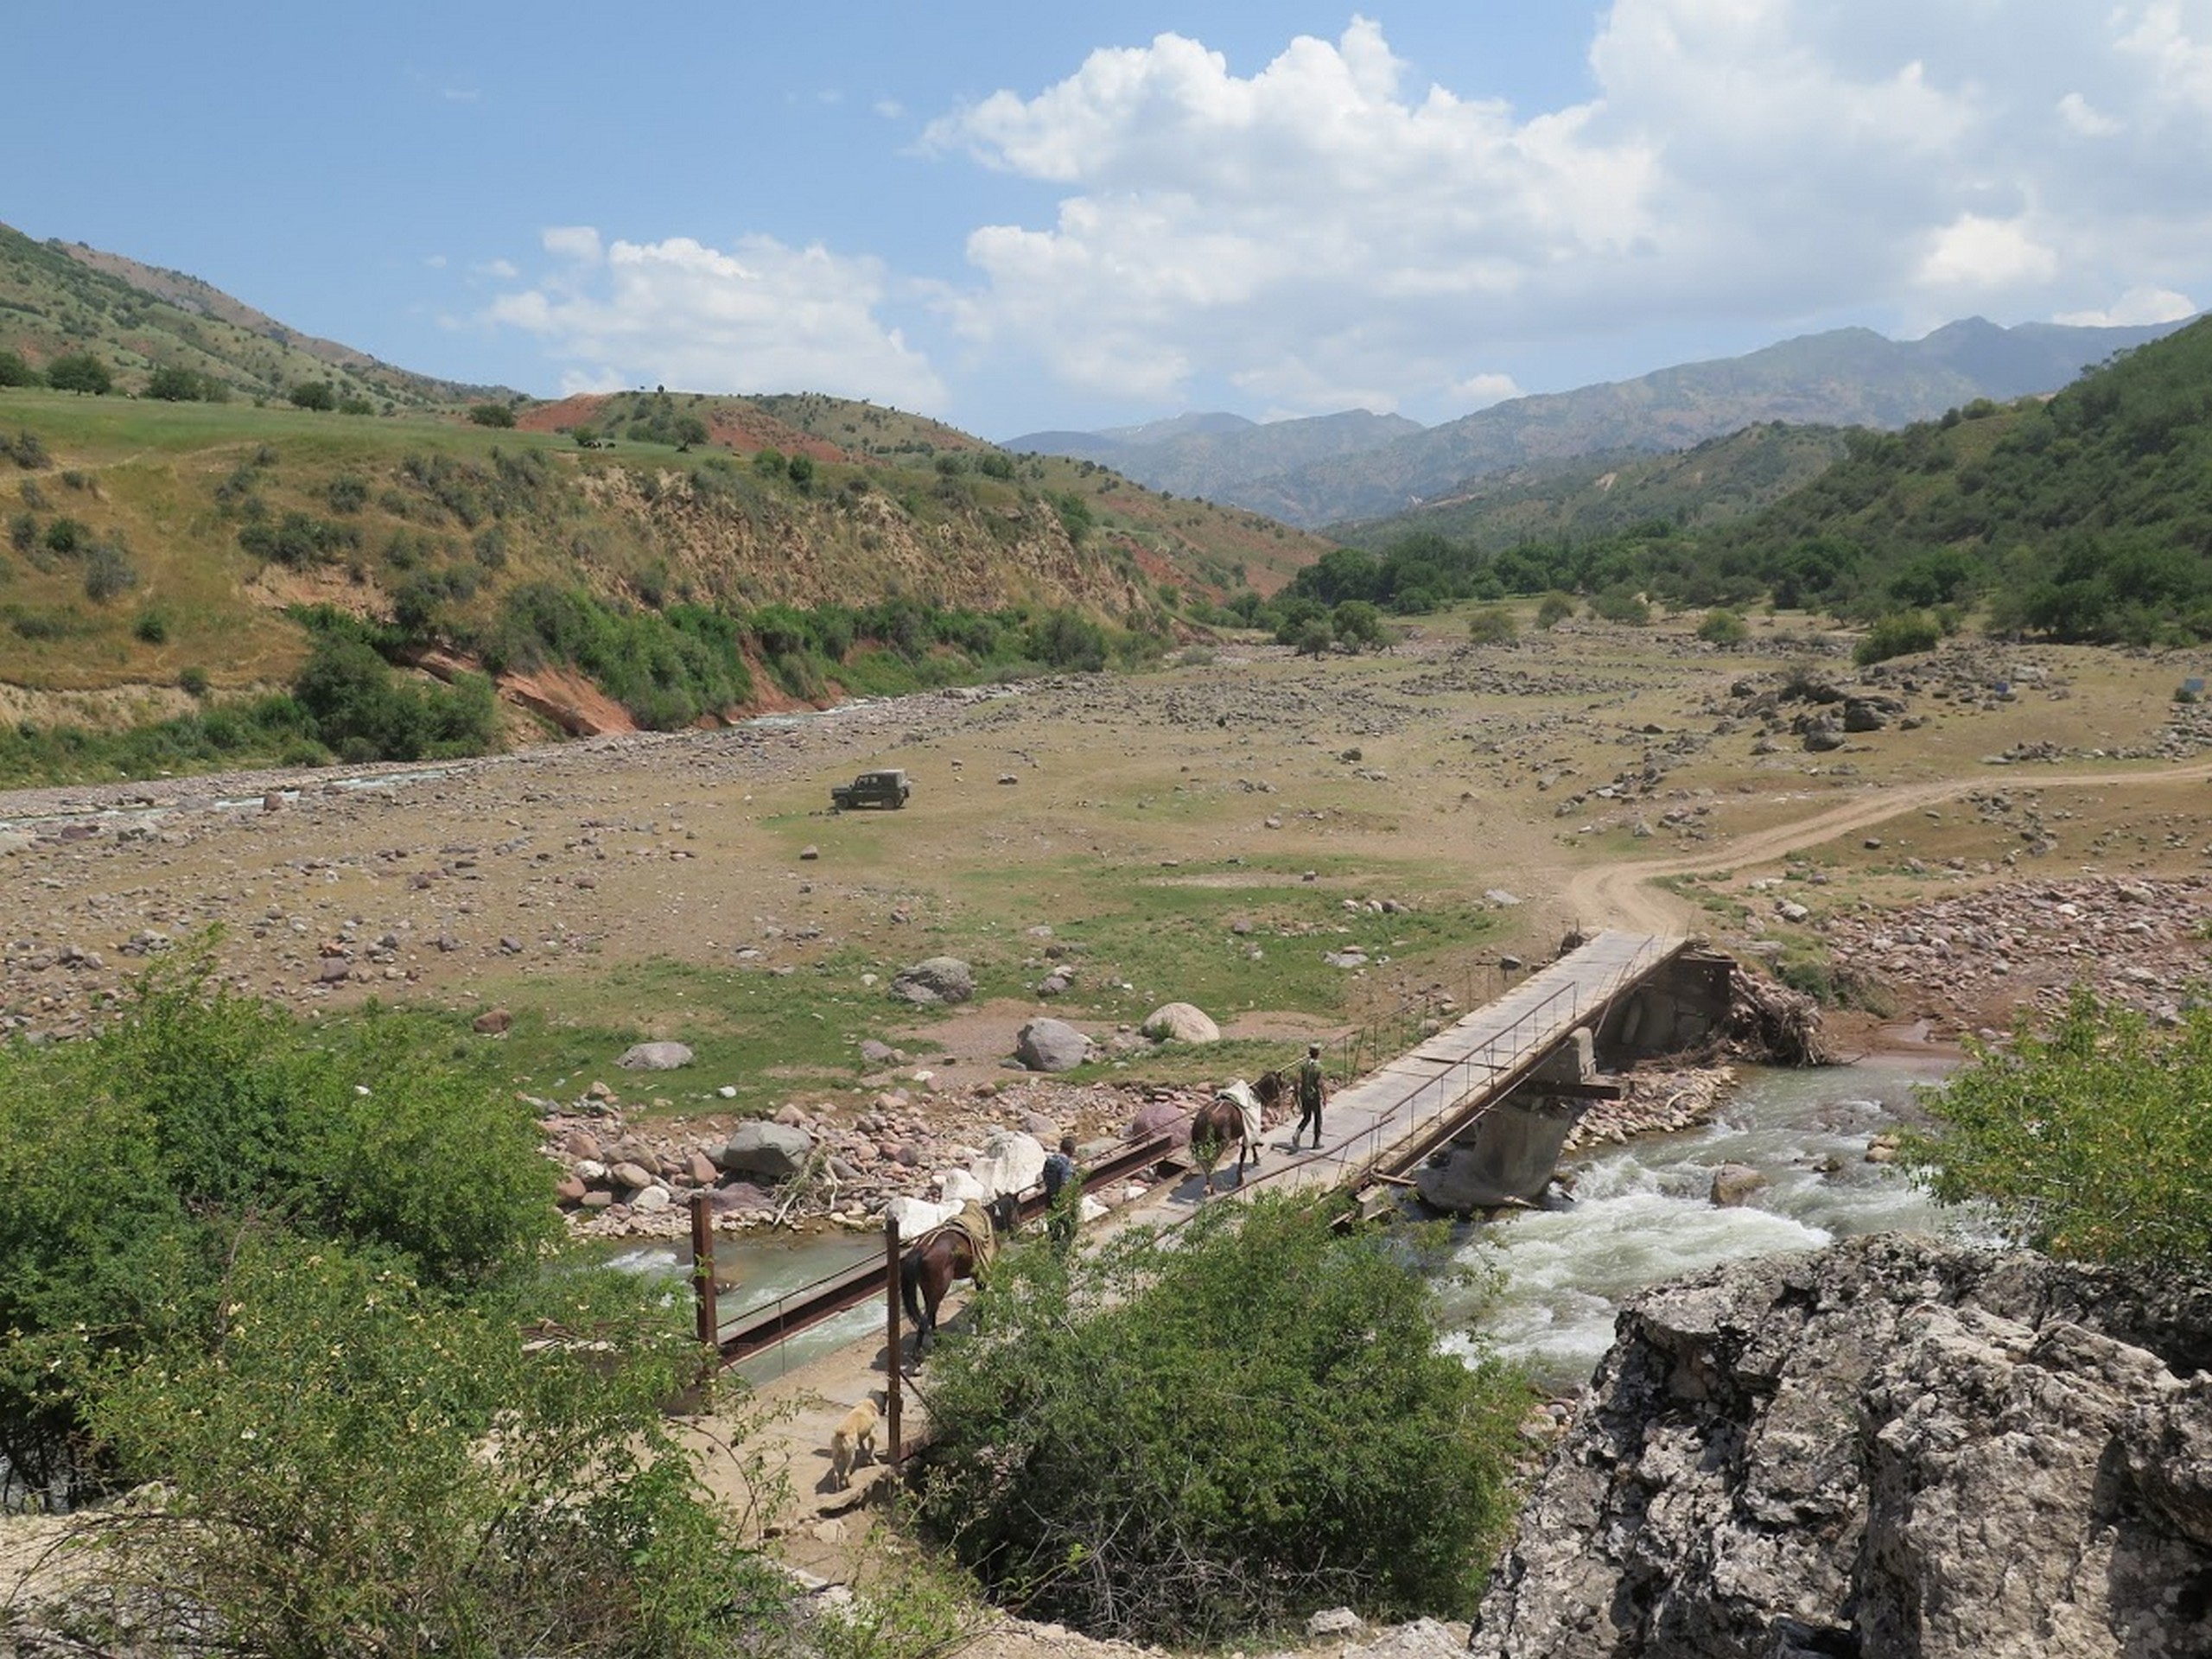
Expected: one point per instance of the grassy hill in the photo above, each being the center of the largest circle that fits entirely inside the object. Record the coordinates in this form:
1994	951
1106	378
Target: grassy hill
58	298
150	545
1718	482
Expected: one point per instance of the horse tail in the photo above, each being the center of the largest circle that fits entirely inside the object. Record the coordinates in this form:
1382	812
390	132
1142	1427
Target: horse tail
910	1283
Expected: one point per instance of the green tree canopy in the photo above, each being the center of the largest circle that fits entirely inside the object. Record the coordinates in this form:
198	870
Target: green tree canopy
1179	1444
2090	1140
80	371
315	394
499	415
14	372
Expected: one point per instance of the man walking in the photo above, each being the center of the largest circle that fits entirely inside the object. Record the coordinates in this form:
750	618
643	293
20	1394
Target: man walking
1063	1195
1310	1096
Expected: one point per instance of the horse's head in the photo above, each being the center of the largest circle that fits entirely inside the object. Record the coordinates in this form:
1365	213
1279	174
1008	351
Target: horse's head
1002	1210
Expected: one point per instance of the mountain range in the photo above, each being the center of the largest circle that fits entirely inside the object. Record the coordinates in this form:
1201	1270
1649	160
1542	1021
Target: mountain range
1333	469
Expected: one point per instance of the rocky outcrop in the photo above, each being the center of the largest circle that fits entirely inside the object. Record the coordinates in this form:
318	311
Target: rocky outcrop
1890	1450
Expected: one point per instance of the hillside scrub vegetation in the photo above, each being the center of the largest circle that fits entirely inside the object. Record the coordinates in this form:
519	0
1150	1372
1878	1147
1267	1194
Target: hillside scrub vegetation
302	1279
1192	1438
2088	1140
2087	518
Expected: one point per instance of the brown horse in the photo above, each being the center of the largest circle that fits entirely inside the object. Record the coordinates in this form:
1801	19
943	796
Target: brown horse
959	1249
1226	1119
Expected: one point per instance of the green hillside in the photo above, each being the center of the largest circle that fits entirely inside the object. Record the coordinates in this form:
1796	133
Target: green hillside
162	556
1718	482
58	299
2085	516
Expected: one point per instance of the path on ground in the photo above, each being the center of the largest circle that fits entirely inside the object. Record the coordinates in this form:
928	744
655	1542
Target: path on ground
1619	894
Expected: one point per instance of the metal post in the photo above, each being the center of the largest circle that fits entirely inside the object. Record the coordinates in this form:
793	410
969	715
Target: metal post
702	1273
891	1337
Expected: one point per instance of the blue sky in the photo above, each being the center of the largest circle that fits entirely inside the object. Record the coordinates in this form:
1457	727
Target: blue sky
1015	216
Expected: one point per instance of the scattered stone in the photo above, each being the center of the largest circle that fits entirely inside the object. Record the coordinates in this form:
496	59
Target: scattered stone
654	1057
1050	1045
1179	1022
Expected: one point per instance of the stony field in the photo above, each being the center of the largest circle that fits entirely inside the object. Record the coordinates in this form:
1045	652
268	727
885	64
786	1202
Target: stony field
1329	849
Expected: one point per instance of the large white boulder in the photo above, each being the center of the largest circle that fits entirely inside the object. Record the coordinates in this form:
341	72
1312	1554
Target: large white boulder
1180	1022
917	1216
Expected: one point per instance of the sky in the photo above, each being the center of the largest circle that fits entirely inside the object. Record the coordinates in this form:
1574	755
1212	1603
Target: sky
1015	217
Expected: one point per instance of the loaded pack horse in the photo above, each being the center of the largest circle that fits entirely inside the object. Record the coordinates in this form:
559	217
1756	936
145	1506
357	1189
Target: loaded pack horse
959	1249
1233	1116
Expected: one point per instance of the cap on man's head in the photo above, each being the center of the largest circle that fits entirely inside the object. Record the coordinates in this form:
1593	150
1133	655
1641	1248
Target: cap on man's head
1314	1049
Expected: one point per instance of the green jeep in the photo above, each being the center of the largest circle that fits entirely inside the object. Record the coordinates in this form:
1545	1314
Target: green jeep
887	788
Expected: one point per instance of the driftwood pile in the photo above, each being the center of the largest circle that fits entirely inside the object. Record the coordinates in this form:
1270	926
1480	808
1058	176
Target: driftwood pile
1768	1024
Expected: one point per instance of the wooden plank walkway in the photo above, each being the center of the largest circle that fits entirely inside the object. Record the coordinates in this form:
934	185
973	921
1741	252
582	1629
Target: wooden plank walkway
1390	1119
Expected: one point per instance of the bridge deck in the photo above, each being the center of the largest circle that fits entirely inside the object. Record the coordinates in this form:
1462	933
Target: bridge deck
1392	1117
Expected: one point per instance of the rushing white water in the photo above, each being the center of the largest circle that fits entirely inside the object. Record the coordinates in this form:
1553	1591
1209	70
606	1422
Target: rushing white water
1643	1213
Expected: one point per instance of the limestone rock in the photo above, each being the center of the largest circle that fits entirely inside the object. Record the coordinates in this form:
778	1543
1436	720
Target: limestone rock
1893	1448
938	979
774	1152
1733	1185
654	1057
1180	1022
1050	1045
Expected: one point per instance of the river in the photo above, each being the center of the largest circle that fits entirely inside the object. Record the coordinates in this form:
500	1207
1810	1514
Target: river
1642	1213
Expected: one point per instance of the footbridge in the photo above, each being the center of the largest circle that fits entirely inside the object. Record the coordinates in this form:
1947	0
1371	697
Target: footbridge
1634	992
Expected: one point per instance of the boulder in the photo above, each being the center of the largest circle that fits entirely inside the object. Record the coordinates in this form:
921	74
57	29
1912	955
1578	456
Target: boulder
1050	1045
1891	1447
654	1057
1733	1185
1162	1117
938	980
772	1152
1179	1022
958	1186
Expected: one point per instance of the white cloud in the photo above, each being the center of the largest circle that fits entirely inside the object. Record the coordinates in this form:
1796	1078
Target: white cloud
435	261
1976	255
1328	228
2082	117
579	242
763	317
2136	306
504	270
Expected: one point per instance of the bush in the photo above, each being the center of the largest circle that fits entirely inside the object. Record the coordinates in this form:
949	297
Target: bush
1554	610
1182	1445
14	372
2090	1141
108	572
1493	625
1723	628
1356	623
364	712
130	1158
497	415
1313	638
359	1465
80	371
193	682
315	394
1896	635
152	628
1622	604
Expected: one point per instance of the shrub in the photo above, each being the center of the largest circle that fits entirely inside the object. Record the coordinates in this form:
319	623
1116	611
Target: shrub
193	682
152	628
1179	1444
108	572
499	415
1555	609
14	372
1723	628
80	371
1896	635
1623	604
1313	638
2090	1141
315	394
359	1465
1356	623
1493	625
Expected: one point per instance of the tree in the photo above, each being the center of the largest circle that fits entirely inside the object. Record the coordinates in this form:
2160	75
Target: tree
79	372
357	1465
1493	625
1180	1444
315	394
1356	623
2090	1140
172	385
499	415
1313	638
689	430
14	372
